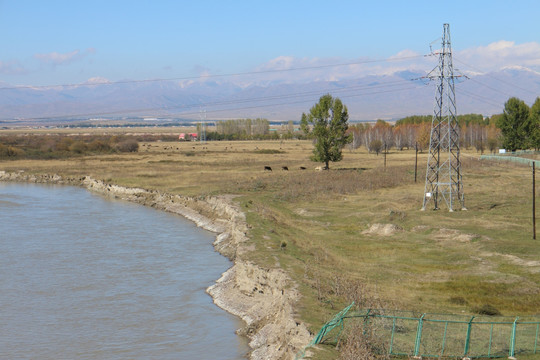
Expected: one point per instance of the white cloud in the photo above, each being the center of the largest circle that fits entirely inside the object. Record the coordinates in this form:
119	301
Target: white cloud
405	54
499	55
12	68
55	58
481	59
97	80
291	70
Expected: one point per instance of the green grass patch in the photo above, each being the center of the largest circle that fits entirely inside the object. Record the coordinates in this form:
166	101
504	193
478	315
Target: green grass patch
268	151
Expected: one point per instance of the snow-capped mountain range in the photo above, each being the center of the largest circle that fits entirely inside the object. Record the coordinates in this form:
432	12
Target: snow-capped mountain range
370	97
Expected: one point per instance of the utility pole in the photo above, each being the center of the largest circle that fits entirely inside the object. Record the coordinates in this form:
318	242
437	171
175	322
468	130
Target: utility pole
385	148
534	200
415	161
443	175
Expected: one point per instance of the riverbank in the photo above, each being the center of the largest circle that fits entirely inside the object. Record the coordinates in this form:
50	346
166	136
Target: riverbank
264	298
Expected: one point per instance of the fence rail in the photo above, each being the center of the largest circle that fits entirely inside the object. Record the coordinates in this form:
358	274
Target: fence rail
442	335
511	158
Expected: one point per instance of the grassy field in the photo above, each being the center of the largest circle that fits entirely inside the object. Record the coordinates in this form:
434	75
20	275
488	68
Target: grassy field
354	232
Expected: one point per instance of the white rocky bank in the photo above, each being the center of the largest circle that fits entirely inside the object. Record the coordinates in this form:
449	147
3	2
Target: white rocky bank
263	298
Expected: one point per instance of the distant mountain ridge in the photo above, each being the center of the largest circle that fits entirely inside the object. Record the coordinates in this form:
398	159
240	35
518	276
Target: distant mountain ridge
370	97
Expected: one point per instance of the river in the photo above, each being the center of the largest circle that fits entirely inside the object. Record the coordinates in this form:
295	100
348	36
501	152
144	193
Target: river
84	277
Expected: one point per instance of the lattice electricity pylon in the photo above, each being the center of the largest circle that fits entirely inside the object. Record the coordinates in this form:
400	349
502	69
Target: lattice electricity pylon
443	175
202	126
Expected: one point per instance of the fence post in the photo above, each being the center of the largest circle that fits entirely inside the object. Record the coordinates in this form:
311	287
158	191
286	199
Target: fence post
366	321
444	337
392	337
513	340
490	339
536	338
418	335
468	338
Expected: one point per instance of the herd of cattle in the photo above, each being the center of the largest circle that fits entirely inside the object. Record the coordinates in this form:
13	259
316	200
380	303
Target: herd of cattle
286	168
266	168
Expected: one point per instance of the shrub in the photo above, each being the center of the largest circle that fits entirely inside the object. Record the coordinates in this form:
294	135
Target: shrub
361	343
458	300
375	146
130	145
486	309
269	151
9	151
99	146
63	144
493	143
47	146
78	147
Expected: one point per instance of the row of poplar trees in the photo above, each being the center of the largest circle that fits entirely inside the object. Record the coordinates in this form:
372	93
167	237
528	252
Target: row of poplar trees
327	123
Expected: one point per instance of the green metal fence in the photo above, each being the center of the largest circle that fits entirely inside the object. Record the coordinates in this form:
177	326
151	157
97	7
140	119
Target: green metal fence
511	158
441	335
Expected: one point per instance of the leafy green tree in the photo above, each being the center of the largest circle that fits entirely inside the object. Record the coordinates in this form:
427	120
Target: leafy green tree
493	143
327	123
414	119
535	124
515	125
376	146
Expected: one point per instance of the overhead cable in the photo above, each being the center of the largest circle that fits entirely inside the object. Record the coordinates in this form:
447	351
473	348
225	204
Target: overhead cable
215	75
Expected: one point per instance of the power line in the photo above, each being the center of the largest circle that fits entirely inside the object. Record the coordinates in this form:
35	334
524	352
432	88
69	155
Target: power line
214	76
490	87
298	101
480	98
495	78
394	86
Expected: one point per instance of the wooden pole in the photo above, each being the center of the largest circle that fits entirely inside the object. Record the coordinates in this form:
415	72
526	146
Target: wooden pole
534	201
416	161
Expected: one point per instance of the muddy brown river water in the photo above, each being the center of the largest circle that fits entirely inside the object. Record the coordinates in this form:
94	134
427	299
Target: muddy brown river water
84	277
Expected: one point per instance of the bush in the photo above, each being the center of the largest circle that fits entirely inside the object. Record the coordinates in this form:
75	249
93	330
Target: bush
63	144
458	300
99	146
130	145
362	343
375	146
486	309
78	147
9	151
269	151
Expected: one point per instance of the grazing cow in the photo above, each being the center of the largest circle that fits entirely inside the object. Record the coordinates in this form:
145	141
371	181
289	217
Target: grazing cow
302	168
267	168
285	168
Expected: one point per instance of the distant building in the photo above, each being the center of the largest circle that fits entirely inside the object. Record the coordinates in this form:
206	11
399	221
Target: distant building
188	137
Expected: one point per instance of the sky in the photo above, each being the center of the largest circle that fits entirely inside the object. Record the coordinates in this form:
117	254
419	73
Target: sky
67	42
